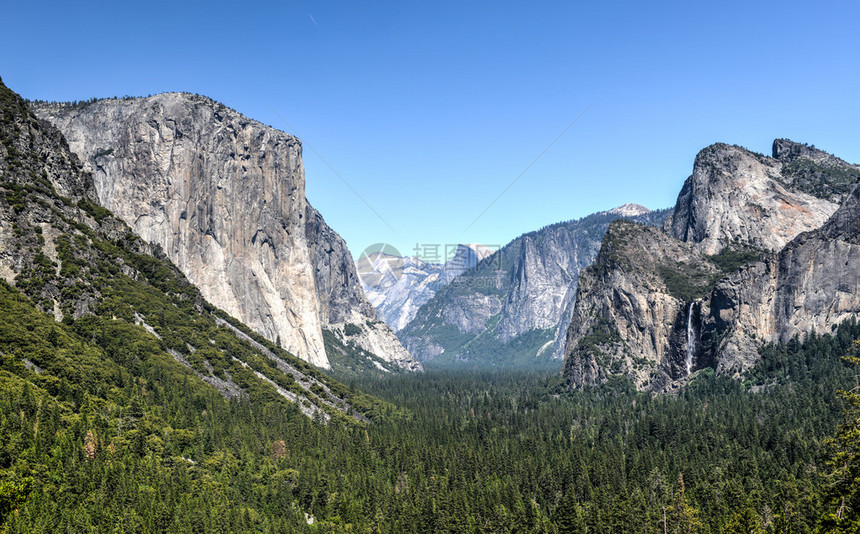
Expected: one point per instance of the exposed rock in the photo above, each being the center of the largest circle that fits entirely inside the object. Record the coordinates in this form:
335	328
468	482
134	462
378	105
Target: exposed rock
224	197
814	171
466	257
813	284
516	303
398	286
342	300
737	196
628	210
65	252
653	308
631	315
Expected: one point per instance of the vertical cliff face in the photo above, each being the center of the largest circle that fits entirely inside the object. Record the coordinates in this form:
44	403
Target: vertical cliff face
344	308
757	250
737	196
632	308
516	305
224	197
125	310
813	284
541	278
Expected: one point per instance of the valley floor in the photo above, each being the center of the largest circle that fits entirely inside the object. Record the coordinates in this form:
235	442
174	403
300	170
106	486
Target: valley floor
462	452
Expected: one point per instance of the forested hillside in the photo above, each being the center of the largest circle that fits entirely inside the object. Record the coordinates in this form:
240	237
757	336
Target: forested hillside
95	444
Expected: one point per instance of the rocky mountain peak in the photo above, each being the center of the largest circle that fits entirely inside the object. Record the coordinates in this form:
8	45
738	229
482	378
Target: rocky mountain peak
758	250
466	257
786	150
27	140
738	196
628	210
813	171
844	225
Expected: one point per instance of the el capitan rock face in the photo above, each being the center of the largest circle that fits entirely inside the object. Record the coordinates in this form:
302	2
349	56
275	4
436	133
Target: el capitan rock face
224	196
758	250
63	254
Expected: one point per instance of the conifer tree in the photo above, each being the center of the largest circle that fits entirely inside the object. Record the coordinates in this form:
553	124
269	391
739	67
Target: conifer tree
842	495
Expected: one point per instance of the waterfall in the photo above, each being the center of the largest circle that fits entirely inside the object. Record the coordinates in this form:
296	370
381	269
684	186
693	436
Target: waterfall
691	340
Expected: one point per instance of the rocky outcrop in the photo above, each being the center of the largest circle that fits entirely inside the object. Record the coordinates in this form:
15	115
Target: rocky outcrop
64	254
224	197
812	285
749	256
397	286
342	300
511	306
628	210
813	171
632	308
542	276
466	257
738	196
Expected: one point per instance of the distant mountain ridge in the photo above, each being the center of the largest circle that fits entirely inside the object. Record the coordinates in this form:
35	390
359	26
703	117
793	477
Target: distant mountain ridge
397	286
507	310
628	210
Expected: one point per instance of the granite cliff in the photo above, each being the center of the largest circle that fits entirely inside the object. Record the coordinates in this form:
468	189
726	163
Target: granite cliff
757	250
812	285
120	312
508	310
224	197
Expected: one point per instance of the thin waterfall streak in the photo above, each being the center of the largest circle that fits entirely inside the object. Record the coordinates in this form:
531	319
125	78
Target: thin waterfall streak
691	340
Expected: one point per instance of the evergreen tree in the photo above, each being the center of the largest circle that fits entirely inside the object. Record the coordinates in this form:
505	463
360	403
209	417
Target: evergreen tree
842	494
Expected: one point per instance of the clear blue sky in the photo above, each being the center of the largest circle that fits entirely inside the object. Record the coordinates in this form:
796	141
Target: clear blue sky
430	110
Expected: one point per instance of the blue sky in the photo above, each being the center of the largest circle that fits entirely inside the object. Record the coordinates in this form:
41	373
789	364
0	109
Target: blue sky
430	110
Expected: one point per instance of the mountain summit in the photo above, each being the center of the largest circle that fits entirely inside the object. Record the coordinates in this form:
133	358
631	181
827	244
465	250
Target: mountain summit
628	210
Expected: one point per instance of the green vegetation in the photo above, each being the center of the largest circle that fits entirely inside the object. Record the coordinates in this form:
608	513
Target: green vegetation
94	210
689	282
822	180
602	335
685	281
842	490
348	360
103	429
734	256
486	351
350	329
98	440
